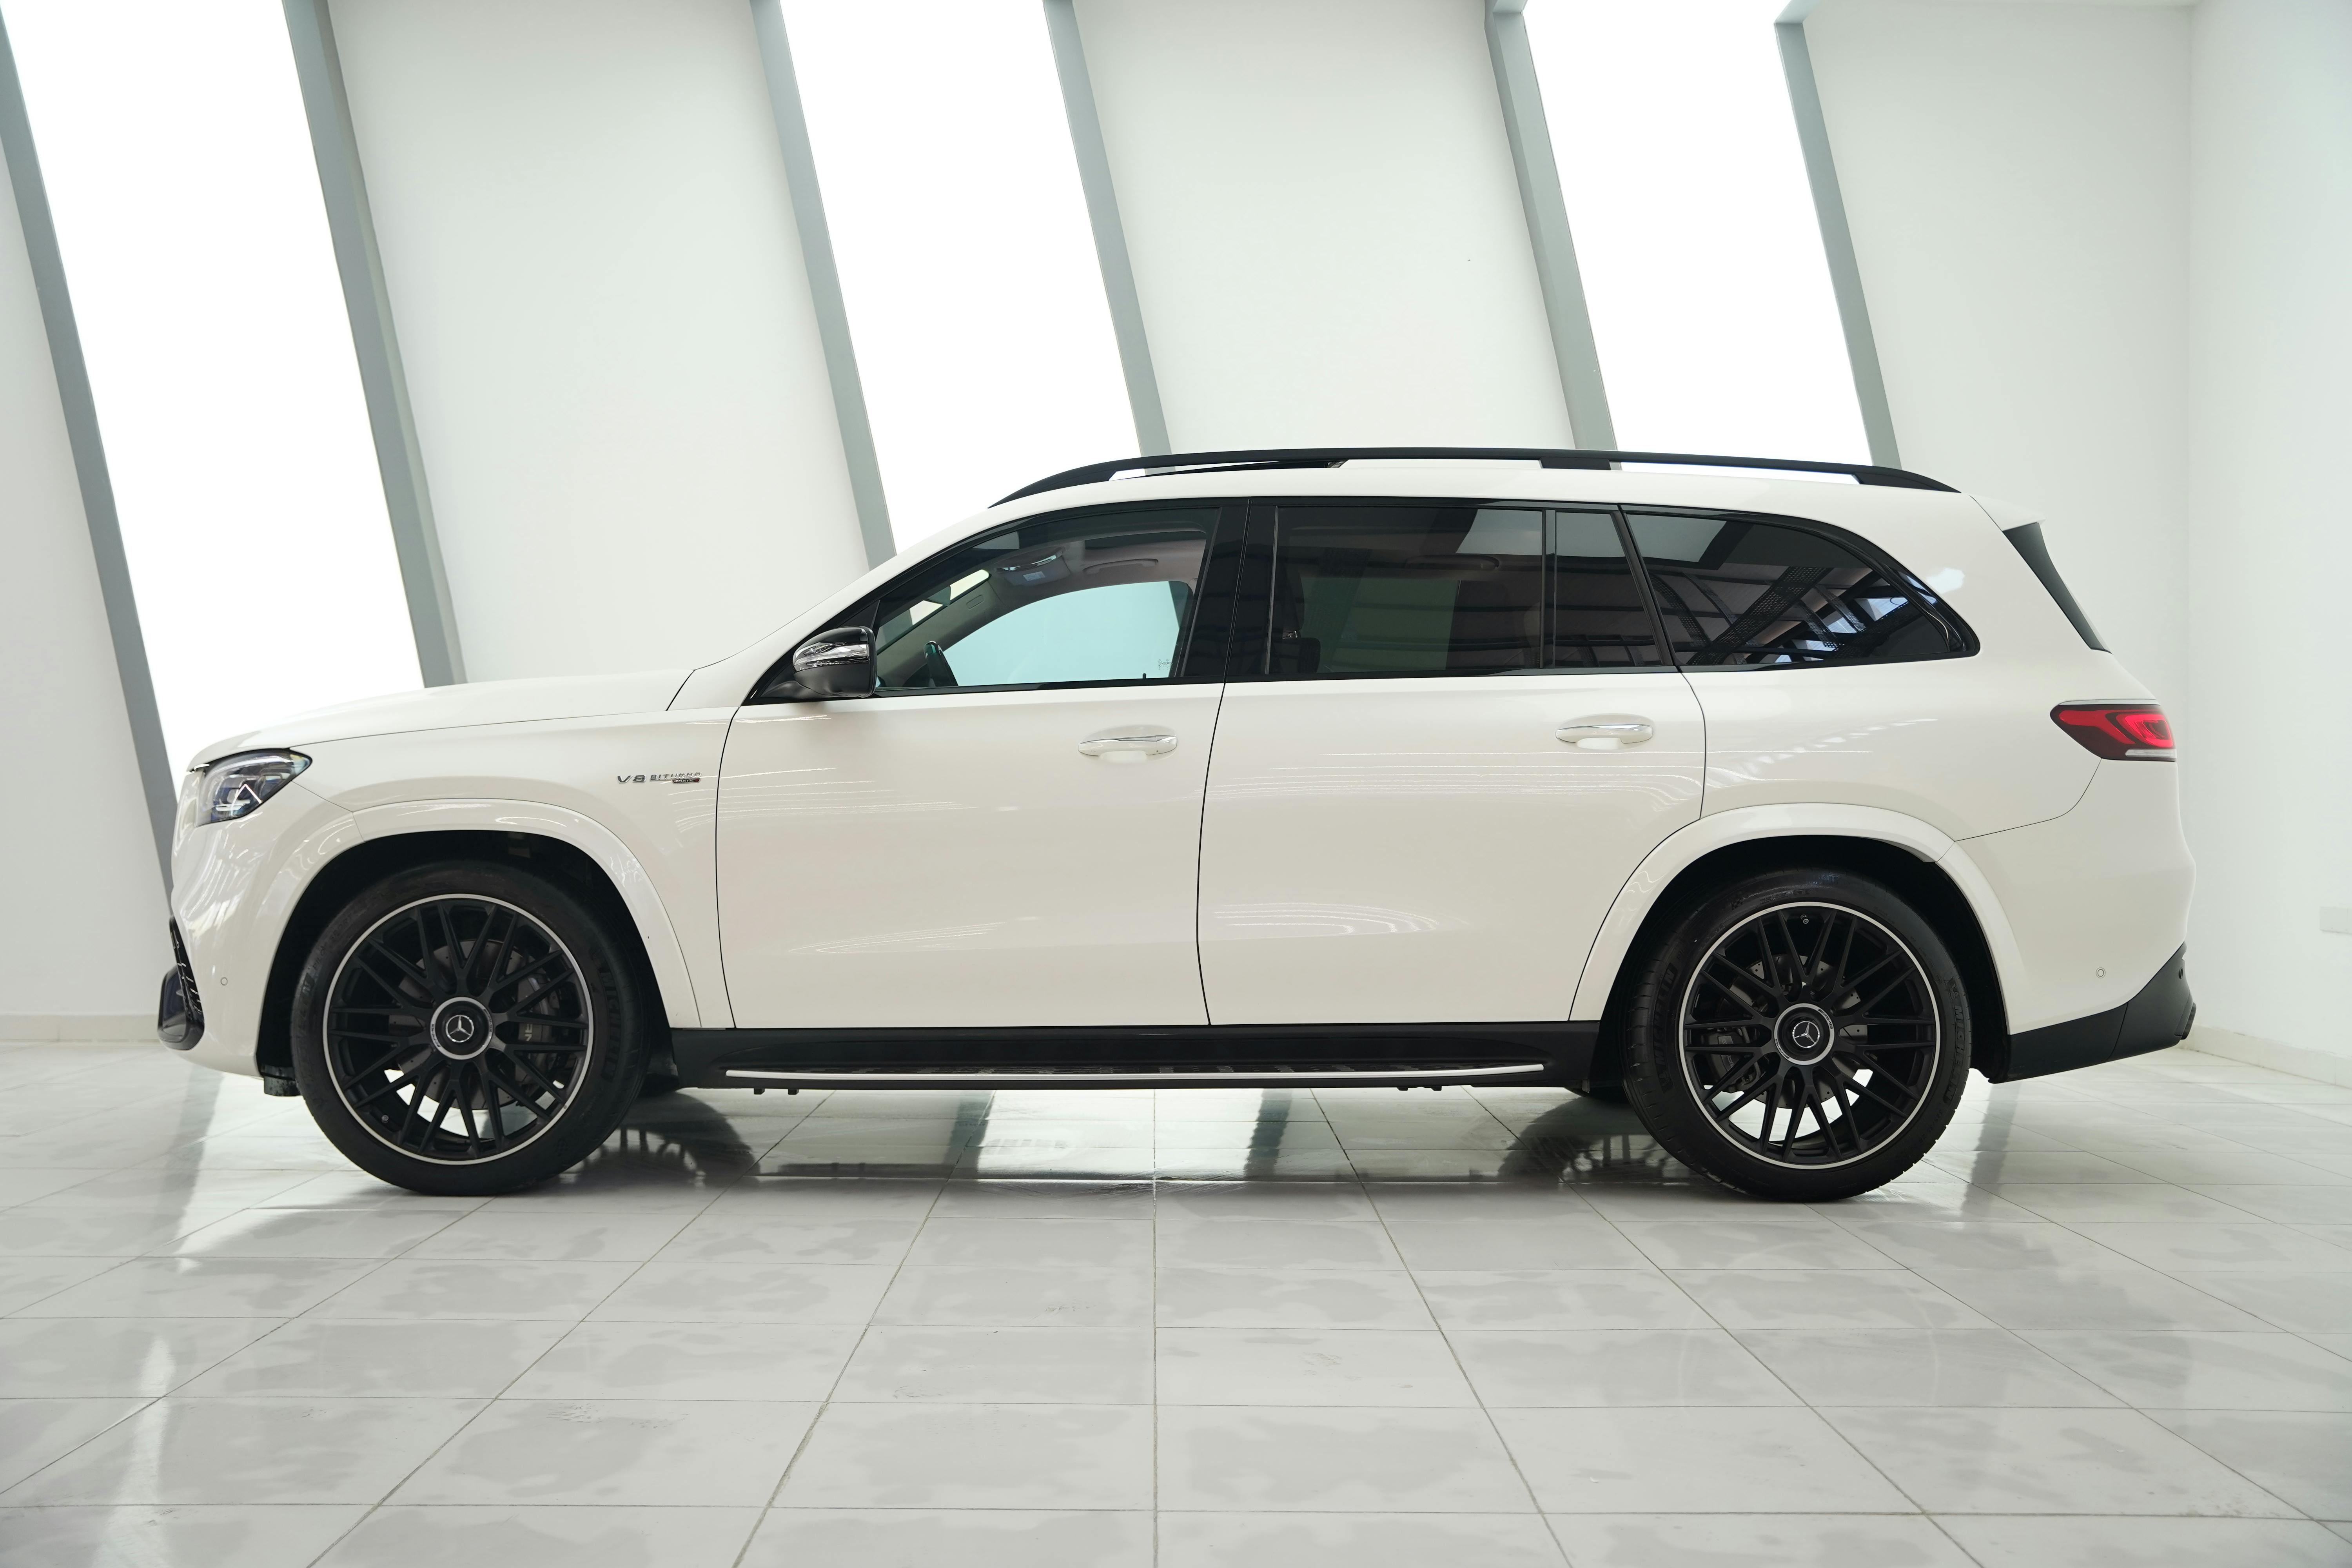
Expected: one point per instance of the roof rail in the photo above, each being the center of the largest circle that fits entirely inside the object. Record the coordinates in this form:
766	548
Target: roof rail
1551	458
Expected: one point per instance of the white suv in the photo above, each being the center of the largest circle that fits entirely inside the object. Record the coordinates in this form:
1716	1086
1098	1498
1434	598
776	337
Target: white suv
1773	804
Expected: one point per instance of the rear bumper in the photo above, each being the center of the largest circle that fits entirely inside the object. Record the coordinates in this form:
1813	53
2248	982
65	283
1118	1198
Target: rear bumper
2159	1015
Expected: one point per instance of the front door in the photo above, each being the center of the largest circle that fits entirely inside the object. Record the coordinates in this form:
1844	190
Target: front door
1452	759
1007	833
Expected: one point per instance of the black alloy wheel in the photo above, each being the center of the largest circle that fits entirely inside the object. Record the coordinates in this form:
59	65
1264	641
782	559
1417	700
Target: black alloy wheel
1802	1035
468	1028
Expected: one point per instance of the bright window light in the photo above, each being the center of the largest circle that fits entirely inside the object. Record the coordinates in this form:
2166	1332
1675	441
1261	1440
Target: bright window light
178	163
1694	227
967	263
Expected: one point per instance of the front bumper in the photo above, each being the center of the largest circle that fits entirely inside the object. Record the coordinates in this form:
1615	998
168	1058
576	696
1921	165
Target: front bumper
179	1012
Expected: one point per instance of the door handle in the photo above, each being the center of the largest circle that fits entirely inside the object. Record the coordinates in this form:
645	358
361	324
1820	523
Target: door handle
1606	734
1135	745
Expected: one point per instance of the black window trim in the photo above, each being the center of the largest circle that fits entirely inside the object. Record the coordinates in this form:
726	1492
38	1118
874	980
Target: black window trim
1201	656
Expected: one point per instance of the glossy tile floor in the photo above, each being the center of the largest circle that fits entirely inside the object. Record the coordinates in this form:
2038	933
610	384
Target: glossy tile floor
2109	1321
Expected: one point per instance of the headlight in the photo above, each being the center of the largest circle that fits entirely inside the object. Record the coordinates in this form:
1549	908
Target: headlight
238	786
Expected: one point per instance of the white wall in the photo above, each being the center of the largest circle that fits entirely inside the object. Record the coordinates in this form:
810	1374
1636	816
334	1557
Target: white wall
2016	177
1326	230
2271	550
81	899
588	241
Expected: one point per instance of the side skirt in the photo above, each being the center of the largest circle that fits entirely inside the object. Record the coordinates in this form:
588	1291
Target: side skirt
1197	1057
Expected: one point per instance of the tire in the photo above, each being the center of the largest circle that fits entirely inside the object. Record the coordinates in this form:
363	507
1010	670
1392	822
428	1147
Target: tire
1840	1030
466	1029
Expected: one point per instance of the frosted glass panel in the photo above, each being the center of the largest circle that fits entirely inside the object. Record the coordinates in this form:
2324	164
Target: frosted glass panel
1694	227
178	163
967	263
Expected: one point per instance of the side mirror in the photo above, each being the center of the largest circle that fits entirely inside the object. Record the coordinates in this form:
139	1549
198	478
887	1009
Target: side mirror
838	662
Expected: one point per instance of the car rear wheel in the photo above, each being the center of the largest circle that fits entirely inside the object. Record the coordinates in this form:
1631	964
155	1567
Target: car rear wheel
1802	1034
467	1029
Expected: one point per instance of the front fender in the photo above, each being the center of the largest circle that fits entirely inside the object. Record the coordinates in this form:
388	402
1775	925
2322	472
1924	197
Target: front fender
592	838
1686	847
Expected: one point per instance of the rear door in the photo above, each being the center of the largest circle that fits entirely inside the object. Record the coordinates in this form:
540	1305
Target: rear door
1439	757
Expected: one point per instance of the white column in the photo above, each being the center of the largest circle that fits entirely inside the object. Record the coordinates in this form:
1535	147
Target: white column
1324	221
619	391
81	924
2015	180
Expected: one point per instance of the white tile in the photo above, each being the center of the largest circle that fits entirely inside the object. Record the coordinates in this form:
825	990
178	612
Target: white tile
967	1538
814	1197
2002	1168
1827	1299
150	1537
2047	1461
1756	1541
309	1233
1034	1243
1614	1367
690	1361
2305	1457
1342	1461
252	1451
25	1281
1000	1365
2238	1167
36	1432
2092	1201
1354	1541
205	1288
332	1358
2207	1370
29	1234
979	1295
469	1287
1737	1244
504	1536
688	1291
1044	1200
1308	1366
1948	1367
2126	1296
1274	1243
1559	1299
2038	1245
1692	1461
975	1456
1290	1298
668	1452
1909	1198
136	1192
1264	1200
2307	1302
2201	1248
1573	1242
502	1236
95	1357
2048	1541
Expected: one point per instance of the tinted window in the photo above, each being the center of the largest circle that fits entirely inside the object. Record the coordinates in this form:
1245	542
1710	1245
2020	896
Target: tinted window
1741	592
1402	590
1597	618
1055	601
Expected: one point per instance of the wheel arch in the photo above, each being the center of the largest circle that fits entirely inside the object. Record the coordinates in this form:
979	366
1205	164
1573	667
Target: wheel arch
655	951
1913	860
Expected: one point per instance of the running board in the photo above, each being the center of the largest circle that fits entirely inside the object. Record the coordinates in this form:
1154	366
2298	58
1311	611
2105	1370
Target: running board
1148	1077
1296	1056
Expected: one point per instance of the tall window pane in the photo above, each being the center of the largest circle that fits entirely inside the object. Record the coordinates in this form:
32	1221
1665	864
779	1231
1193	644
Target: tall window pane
1694	227
178	163
967	263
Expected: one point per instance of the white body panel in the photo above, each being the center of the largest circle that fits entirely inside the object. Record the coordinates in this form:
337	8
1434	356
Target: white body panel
956	860
1388	850
1428	850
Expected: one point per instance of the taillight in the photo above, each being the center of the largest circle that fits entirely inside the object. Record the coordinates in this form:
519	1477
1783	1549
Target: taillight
2119	731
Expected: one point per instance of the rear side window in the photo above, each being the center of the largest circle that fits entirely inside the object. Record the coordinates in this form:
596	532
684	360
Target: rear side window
1753	592
1407	590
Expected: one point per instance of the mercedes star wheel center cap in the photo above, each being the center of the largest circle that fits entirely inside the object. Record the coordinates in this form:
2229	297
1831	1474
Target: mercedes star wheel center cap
461	1028
1804	1033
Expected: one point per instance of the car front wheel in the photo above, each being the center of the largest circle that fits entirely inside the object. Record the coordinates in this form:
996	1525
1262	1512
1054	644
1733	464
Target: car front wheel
467	1029
1801	1034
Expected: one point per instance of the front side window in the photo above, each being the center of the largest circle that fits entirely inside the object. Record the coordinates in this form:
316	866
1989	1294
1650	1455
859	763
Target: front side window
1102	598
1744	591
1406	590
1598	619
